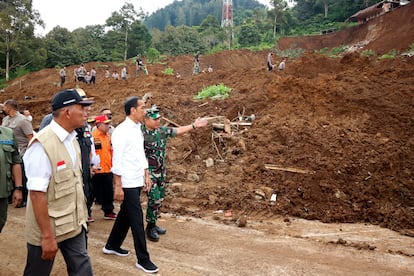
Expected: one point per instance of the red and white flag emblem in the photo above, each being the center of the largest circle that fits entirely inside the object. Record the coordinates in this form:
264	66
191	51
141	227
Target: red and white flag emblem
61	165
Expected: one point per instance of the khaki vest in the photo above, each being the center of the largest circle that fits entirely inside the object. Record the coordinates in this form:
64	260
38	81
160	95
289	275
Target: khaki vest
66	200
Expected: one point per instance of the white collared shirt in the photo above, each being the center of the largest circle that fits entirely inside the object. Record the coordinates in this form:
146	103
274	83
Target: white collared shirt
129	159
36	162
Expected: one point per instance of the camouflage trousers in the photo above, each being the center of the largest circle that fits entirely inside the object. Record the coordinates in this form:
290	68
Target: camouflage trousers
141	68
196	68
155	198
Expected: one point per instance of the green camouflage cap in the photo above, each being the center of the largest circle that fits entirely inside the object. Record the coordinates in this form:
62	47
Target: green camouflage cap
153	112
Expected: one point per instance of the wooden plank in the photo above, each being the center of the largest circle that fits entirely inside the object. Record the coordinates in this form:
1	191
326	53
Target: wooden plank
206	103
171	122
288	169
215	118
223	126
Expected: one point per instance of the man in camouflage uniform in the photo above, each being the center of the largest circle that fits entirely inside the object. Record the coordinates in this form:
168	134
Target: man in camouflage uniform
155	142
10	169
196	66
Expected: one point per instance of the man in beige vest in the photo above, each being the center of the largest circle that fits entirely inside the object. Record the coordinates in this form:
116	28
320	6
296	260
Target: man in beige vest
56	210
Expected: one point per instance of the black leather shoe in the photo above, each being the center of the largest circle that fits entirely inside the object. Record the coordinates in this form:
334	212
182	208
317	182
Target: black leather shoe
152	234
160	230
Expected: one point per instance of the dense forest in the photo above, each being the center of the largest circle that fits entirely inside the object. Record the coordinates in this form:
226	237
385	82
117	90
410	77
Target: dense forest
183	27
192	13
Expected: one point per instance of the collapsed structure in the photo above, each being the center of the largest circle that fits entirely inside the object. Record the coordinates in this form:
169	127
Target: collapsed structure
376	10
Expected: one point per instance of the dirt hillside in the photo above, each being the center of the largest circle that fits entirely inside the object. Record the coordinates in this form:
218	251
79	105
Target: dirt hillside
391	31
340	130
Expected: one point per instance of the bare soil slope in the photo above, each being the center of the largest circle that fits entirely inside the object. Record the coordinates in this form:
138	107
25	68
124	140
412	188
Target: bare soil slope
348	122
391	31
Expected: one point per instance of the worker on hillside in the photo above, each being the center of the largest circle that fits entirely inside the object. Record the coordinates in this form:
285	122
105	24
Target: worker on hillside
93	76
282	65
62	74
124	73
139	66
81	73
270	65
196	66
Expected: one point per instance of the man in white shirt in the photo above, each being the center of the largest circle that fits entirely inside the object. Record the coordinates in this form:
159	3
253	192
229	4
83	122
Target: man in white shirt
56	211
124	73
62	74
282	65
130	170
270	65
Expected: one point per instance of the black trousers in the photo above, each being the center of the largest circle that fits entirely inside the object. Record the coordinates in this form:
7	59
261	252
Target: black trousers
130	216
269	67
74	252
103	191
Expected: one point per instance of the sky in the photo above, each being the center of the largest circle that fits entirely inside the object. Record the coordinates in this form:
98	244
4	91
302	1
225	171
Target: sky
73	14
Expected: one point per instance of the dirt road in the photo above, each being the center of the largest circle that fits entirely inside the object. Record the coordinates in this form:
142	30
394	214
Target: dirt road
210	246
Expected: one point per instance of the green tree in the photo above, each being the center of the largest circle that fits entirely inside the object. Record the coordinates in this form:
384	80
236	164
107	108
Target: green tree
153	55
277	13
122	21
249	35
60	47
339	10
88	43
325	4
113	43
211	31
180	40
139	40
17	22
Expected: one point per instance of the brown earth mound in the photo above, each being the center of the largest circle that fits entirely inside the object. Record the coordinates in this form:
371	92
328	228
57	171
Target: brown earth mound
391	31
339	130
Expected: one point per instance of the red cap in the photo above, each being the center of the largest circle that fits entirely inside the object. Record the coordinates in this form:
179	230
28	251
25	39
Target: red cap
102	119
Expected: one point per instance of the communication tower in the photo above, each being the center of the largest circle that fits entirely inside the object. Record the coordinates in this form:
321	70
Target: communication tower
227	20
227	14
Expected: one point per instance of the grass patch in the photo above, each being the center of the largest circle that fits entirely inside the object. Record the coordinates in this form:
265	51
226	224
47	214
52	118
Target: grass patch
290	53
367	53
390	55
169	71
322	51
120	64
214	92
338	50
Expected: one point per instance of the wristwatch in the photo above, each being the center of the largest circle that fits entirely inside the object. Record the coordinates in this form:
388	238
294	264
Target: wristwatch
19	188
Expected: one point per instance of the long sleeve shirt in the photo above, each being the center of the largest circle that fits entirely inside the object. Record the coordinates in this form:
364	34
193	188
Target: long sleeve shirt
129	161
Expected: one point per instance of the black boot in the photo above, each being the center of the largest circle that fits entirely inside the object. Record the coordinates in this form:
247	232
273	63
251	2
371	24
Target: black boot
160	230
152	233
